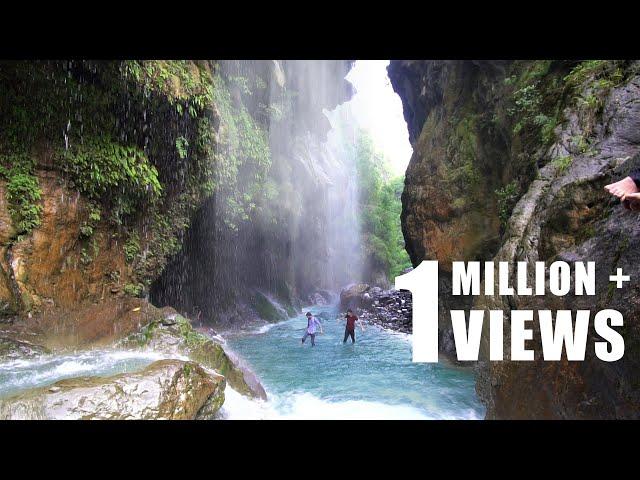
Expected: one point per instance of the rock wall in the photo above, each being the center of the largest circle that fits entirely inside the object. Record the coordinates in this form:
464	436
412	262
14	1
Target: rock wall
509	163
102	164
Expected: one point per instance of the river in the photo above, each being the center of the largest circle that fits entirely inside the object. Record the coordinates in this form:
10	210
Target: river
372	379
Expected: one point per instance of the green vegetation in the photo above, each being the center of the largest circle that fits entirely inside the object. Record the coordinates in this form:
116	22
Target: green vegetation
88	227
244	152
535	101
132	247
562	163
507	198
380	209
135	138
23	192
99	166
134	290
591	82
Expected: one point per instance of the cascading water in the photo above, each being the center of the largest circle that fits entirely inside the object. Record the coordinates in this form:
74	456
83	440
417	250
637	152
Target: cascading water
280	227
282	222
308	238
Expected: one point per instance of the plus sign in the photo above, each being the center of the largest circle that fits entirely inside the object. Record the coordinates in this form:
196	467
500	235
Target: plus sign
619	278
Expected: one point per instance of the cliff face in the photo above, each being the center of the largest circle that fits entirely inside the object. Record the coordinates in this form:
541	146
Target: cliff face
105	166
102	165
509	163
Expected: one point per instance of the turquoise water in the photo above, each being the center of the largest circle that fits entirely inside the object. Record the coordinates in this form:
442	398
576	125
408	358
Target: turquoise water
374	378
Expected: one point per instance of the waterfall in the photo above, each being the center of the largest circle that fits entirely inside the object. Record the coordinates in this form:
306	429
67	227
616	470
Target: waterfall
282	222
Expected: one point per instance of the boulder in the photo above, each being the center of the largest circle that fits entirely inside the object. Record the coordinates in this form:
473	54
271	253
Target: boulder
173	334
167	389
352	295
317	299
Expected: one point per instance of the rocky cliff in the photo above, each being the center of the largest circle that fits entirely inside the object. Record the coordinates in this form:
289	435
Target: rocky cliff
102	165
509	163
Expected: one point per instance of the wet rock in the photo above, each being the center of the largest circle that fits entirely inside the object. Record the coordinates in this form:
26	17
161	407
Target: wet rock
317	299
12	349
180	339
566	215
167	389
559	211
86	326
391	309
352	295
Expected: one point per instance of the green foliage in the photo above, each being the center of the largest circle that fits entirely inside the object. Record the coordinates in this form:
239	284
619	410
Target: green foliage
88	227
244	153
99	164
562	163
23	192
135	138
507	198
607	72
184	83
134	289
101	168
85	258
380	209
547	127
182	146
132	247
534	102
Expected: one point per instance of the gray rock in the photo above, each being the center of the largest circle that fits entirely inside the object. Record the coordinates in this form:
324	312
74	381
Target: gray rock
167	389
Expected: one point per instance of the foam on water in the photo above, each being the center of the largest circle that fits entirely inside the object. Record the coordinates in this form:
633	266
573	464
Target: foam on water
44	370
305	406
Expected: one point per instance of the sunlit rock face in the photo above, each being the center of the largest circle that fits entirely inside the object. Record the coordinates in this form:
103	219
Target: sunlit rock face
460	156
510	160
48	268
167	389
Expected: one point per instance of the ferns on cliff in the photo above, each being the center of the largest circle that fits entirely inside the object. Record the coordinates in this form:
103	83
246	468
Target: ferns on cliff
244	158
23	191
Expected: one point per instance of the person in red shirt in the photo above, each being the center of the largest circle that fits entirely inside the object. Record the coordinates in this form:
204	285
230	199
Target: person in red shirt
350	328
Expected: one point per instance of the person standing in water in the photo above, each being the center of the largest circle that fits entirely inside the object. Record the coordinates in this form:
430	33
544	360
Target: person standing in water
312	323
350	327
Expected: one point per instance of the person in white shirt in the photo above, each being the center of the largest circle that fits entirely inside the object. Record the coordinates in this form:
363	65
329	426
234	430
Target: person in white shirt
312	323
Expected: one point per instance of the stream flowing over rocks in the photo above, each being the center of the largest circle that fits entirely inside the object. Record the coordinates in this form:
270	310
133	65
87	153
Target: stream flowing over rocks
184	373
167	389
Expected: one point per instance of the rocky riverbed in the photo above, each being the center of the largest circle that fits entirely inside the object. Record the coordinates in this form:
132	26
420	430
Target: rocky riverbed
187	380
390	309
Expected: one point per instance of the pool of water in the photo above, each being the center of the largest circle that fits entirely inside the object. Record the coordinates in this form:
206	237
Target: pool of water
374	378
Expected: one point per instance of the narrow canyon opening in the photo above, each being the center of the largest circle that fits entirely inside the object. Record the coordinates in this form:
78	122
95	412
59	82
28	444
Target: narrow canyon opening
307	200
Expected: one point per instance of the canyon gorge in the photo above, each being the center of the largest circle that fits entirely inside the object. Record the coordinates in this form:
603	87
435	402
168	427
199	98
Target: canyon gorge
164	225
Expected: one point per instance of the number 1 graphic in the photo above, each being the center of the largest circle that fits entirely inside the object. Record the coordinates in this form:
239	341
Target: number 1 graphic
422	282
